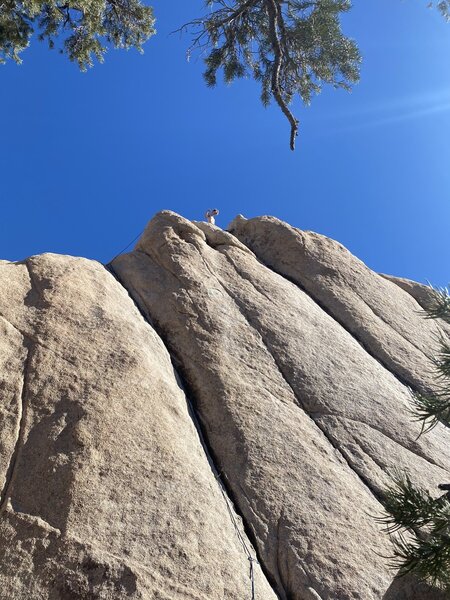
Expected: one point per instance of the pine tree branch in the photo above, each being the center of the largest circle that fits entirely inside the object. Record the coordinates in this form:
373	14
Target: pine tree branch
236	13
425	549
277	39
289	47
217	23
439	306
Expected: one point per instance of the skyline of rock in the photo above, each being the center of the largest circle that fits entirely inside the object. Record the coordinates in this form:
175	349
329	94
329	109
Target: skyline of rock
206	398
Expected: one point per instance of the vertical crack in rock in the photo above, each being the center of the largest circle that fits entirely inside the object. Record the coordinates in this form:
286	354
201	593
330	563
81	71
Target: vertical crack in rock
378	314
238	302
326	310
226	490
23	408
34	298
416	452
273	561
399	372
241	364
278	561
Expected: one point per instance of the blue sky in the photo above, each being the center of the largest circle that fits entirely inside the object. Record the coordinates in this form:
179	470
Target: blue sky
87	158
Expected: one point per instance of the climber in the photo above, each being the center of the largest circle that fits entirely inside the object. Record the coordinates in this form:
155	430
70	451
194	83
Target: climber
210	214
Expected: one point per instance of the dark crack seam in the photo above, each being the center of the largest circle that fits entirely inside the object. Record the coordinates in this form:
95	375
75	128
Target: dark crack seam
419	454
367	484
383	320
34	286
207	448
12	468
326	310
300	404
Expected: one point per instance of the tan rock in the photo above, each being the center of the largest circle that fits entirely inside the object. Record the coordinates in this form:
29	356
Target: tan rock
106	490
423	294
302	421
381	316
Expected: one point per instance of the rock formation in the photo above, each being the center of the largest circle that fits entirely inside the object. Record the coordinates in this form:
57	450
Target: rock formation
212	416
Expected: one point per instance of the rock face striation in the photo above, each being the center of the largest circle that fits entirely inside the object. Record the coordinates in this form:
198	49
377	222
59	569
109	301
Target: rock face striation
212	416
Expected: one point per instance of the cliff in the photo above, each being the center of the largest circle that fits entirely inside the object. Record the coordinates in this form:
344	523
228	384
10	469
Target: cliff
212	416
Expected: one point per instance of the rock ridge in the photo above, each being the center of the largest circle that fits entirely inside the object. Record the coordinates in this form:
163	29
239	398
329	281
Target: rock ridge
209	398
203	282
106	502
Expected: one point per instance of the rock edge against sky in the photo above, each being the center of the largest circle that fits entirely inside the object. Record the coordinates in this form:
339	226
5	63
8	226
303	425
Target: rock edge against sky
209	397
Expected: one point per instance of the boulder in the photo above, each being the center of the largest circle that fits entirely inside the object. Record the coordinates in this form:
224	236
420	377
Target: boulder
107	490
213	416
302	420
381	316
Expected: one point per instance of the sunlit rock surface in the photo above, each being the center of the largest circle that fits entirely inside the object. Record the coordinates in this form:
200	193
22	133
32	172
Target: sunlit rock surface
209	398
107	491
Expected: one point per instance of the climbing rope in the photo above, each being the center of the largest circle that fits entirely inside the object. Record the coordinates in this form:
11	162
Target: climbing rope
241	539
252	560
126	247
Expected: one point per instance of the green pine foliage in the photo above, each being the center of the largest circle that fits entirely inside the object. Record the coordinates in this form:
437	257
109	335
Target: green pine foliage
82	29
419	523
314	47
444	8
291	47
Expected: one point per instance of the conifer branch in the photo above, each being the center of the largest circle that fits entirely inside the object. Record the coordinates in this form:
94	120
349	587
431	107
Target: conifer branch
275	20
421	521
291	47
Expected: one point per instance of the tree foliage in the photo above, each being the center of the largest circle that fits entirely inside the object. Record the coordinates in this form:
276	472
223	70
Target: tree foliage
291	47
83	28
418	522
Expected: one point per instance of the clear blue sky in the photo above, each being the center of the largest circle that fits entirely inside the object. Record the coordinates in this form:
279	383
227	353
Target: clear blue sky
87	158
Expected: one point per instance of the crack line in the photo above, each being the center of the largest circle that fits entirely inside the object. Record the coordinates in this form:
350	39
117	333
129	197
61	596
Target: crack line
238	303
391	326
23	409
224	487
419	453
326	310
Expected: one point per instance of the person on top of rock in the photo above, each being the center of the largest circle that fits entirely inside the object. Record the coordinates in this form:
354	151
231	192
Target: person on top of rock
210	214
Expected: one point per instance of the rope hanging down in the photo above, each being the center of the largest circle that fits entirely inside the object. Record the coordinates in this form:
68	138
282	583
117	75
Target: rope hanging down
240	537
126	247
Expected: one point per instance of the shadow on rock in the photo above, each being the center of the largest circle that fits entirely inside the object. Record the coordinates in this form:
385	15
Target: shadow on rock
410	588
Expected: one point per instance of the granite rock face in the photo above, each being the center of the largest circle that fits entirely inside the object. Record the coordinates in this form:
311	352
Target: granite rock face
386	321
247	405
106	488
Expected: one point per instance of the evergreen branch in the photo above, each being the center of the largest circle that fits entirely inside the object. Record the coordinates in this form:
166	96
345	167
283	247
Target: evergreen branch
425	549
235	13
290	47
431	409
439	307
420	522
215	21
407	507
275	18
442	362
83	29
428	558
